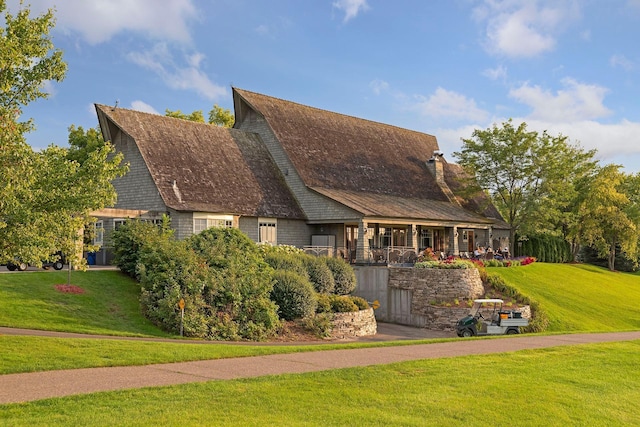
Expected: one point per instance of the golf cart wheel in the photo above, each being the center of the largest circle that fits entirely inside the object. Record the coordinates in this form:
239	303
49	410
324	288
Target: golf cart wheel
22	266
467	333
512	331
58	265
11	267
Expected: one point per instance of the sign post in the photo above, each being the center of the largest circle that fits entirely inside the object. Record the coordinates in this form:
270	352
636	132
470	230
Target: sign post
181	305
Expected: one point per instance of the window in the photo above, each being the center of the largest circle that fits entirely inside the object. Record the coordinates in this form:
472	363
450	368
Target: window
117	223
465	235
98	233
426	238
385	237
203	221
267	230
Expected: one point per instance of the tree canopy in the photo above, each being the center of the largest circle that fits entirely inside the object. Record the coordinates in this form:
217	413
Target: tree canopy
217	116
542	184
45	196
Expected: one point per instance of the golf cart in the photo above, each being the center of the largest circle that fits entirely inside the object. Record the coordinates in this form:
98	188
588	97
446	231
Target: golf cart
495	320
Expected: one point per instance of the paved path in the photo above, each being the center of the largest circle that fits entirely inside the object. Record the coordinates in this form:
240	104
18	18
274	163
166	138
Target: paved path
42	385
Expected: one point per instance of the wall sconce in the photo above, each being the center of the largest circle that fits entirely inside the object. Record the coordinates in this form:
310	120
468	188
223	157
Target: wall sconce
476	237
415	231
456	234
364	230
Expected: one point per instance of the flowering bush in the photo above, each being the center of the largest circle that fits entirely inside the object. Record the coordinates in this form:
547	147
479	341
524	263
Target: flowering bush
452	264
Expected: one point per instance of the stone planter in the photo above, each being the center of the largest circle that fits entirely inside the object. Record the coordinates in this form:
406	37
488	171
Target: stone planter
353	324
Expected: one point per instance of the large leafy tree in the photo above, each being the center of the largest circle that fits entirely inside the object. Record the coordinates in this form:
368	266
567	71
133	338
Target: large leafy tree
527	175
45	196
609	213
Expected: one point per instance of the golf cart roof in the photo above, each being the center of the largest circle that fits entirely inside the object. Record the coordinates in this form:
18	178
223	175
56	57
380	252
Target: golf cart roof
488	300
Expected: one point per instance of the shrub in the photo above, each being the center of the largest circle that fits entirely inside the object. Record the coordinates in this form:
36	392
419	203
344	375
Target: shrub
452	264
293	295
239	290
361	303
286	261
169	271
131	237
319	274
320	324
323	303
343	304
343	275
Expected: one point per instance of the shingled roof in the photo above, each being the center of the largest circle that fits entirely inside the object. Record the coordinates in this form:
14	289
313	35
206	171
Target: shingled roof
339	152
201	167
374	168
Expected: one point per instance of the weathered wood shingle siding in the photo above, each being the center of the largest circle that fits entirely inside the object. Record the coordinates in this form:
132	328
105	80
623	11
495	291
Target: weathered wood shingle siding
136	189
315	206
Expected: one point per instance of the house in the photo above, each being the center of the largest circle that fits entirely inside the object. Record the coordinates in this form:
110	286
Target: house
297	175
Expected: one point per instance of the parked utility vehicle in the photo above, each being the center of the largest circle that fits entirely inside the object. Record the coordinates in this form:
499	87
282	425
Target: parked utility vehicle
495	321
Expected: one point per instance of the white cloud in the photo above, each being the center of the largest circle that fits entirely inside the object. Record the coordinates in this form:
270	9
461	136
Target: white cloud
451	105
576	102
611	140
351	8
143	106
379	86
524	28
98	21
622	62
498	73
176	76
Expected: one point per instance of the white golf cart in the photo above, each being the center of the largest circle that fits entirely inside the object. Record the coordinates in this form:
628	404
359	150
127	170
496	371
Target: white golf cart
494	321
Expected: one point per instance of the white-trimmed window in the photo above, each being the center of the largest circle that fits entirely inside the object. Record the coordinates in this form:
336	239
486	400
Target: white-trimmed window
268	230
203	221
118	222
98	233
465	235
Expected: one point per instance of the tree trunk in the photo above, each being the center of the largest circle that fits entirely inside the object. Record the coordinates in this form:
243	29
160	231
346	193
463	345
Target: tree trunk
612	256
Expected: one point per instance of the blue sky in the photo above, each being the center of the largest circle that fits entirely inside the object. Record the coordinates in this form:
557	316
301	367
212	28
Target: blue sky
443	67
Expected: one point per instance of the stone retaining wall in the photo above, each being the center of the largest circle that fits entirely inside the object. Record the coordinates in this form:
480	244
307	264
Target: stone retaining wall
354	324
437	285
417	296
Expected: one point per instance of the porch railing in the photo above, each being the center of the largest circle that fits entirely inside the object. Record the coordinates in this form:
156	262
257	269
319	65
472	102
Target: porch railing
380	256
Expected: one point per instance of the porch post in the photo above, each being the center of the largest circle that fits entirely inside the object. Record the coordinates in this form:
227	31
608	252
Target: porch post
413	237
491	238
456	249
362	248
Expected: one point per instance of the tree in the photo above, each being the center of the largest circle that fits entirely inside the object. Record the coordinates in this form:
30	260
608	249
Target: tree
45	196
196	116
528	176
28	58
610	214
217	116
221	116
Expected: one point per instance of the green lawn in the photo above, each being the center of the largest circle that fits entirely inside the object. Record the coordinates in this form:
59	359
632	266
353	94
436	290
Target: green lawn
109	305
579	385
578	297
590	385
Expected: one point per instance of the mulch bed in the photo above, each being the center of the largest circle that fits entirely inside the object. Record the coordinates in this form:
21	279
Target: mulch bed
69	289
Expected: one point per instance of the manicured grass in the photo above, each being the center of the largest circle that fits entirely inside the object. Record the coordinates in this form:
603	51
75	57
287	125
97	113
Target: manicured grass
579	297
31	354
594	385
108	306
